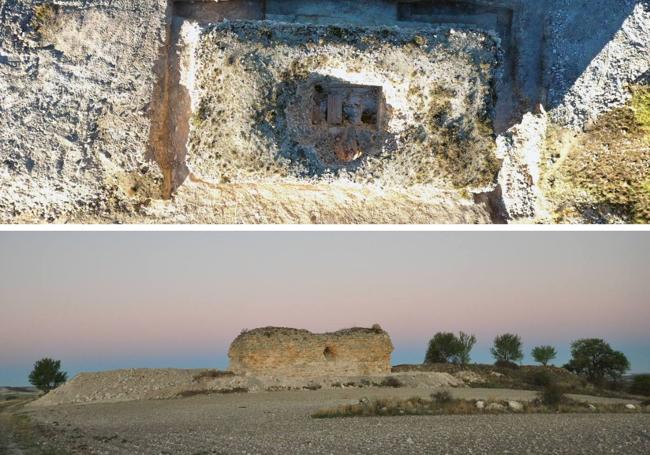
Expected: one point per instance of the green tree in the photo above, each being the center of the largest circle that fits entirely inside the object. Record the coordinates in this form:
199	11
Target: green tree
465	344
507	348
443	347
47	375
595	359
544	354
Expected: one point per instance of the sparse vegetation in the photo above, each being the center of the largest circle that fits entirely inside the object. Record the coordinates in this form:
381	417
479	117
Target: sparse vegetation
539	378
595	360
313	386
212	374
544	354
640	384
47	375
442	397
601	175
420	406
193	393
390	381
44	18
552	395
507	348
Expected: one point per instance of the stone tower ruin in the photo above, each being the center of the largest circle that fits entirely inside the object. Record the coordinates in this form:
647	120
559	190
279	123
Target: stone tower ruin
275	351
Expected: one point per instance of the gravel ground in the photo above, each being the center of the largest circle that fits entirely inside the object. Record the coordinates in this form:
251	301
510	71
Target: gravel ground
280	423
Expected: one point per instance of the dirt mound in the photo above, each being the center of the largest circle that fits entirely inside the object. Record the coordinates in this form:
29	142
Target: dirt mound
526	377
120	385
156	384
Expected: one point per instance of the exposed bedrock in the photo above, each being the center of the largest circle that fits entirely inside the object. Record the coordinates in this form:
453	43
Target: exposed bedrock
333	111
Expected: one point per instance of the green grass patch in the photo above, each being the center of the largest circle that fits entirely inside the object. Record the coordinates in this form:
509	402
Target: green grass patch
601	175
641	107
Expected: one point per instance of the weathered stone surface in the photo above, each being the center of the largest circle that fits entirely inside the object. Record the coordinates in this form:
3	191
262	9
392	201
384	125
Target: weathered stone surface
515	406
88	130
273	351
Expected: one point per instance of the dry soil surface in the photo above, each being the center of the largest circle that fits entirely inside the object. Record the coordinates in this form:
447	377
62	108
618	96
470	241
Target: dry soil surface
280	422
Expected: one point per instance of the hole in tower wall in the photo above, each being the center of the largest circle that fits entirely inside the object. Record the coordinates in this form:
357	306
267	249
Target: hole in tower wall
329	353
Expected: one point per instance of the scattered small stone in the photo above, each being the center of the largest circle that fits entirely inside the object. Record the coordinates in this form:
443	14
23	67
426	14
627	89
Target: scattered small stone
495	407
480	404
515	406
409	441
591	407
630	406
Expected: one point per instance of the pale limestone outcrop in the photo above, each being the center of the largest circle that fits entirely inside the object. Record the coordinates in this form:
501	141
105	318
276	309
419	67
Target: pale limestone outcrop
274	351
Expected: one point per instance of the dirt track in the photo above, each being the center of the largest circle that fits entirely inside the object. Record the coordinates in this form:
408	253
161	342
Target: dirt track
280	422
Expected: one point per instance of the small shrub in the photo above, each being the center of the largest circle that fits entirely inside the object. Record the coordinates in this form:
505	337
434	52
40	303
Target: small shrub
552	395
506	364
212	374
442	397
641	384
44	17
193	393
391	381
312	386
234	390
539	378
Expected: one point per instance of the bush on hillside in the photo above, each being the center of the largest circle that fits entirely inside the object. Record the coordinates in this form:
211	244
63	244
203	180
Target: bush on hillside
595	360
507	348
640	385
544	354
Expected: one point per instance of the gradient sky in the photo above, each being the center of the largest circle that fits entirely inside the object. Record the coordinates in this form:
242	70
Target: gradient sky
108	300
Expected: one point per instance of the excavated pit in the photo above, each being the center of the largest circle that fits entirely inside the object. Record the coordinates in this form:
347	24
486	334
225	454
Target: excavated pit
288	92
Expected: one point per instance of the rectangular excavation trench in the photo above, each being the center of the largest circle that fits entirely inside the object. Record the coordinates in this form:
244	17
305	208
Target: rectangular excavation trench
173	104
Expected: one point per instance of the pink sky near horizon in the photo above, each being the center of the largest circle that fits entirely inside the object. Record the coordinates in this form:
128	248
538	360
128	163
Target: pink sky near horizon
81	295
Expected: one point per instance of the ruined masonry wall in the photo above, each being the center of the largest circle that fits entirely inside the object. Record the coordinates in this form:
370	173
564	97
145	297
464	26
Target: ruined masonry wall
275	351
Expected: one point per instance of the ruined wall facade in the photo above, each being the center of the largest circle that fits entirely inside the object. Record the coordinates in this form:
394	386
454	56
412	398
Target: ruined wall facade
274	351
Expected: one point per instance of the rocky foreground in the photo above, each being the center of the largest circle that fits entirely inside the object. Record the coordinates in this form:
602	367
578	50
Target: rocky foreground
280	422
156	384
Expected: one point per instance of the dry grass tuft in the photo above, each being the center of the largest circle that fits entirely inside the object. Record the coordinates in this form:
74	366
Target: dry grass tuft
44	19
193	393
419	406
212	374
602	174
